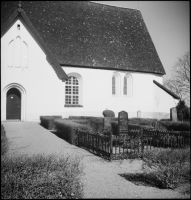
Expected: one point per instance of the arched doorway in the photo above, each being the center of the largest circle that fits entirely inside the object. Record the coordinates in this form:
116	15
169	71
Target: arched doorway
13	105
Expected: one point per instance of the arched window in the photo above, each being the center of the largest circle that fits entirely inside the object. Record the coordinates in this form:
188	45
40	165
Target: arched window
127	86
10	53
24	54
72	91
115	84
18	52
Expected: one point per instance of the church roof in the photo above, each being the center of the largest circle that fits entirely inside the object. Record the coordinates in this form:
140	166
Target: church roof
87	34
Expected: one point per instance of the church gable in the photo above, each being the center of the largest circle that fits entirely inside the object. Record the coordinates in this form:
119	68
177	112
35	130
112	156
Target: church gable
21	56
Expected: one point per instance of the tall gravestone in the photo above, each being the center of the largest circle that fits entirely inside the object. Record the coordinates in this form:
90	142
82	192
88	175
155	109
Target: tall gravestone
173	114
122	122
138	114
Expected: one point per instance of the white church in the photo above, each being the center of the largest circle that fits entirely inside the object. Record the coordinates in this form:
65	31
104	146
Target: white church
78	59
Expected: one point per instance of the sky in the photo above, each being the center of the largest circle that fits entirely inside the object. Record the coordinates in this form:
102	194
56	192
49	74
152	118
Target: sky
168	23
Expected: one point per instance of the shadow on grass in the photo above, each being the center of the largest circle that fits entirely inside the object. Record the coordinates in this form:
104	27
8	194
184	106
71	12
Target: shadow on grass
143	179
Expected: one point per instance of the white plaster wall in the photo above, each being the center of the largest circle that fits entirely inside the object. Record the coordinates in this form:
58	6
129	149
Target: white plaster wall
43	88
97	93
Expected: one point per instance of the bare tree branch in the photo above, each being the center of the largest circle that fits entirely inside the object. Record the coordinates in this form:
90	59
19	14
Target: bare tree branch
180	81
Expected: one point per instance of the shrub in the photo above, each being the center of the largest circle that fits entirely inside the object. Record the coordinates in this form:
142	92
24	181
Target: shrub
67	130
81	117
78	120
141	121
176	126
183	111
48	121
41	177
4	141
96	124
170	167
114	127
108	113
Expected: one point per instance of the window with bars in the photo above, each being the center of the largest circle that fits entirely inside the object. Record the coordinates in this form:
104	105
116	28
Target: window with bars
72	91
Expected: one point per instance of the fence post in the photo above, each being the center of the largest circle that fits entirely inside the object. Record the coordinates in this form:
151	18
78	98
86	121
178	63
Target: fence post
111	145
142	139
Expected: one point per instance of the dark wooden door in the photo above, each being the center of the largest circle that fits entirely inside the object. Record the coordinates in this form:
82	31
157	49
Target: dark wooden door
13	104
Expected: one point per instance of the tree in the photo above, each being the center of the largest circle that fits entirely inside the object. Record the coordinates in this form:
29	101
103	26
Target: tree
180	81
183	111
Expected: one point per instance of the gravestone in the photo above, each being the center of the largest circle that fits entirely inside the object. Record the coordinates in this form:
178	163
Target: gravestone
138	114
122	122
173	114
106	123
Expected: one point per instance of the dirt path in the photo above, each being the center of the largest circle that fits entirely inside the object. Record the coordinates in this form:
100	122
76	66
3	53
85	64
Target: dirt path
102	179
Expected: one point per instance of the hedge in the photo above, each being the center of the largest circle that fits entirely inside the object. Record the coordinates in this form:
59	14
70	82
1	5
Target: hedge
176	126
48	121
67	130
79	121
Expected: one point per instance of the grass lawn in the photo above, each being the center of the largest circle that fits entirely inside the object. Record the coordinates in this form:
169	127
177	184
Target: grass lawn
40	176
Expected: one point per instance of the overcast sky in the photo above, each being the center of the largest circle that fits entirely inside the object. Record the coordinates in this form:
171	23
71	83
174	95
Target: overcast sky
168	24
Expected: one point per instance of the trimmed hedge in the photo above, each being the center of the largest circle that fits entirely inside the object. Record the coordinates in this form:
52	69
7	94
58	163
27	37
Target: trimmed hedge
81	117
176	126
48	121
96	124
81	121
67	130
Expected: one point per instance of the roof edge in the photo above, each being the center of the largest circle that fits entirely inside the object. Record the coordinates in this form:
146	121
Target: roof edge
166	90
109	68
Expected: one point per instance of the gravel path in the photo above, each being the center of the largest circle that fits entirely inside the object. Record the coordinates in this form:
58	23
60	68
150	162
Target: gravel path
101	178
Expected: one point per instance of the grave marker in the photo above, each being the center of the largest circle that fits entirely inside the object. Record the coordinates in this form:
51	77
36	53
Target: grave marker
173	114
138	114
122	122
106	123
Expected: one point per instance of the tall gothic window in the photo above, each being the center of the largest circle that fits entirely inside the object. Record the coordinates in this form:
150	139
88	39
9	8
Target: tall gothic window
17	52
127	86
113	85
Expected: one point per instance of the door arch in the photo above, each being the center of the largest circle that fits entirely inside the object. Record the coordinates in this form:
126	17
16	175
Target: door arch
23	100
13	106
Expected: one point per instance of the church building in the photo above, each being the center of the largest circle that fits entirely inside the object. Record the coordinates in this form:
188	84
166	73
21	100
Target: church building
78	58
